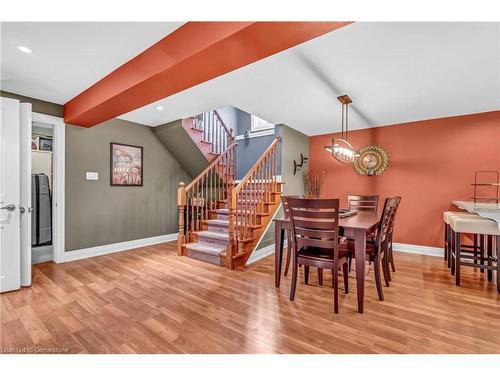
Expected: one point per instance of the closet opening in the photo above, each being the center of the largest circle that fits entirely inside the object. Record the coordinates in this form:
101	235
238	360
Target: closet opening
47	188
42	136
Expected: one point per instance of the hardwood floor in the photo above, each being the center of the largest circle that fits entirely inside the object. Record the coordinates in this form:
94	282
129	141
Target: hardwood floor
150	300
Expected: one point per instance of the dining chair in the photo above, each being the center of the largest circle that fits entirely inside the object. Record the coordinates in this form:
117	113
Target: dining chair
376	248
488	228
390	255
364	203
315	234
286	212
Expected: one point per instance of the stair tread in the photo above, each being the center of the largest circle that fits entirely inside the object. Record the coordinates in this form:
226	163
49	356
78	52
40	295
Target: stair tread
218	222
226	211
208	233
206	248
225	223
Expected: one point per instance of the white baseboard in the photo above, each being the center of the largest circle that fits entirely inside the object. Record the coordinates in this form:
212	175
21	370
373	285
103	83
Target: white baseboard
41	254
116	247
418	249
400	247
262	253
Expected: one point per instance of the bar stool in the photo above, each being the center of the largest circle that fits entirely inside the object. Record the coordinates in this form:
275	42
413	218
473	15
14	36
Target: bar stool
448	238
478	226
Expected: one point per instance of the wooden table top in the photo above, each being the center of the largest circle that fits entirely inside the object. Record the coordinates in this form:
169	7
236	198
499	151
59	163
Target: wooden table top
361	220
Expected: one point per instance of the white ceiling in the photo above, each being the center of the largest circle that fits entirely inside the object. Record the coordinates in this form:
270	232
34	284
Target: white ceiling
394	72
70	56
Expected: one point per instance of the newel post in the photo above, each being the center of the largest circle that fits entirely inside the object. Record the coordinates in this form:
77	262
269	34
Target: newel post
231	251
181	202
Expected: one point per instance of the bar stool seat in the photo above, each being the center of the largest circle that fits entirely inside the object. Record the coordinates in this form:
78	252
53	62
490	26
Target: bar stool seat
447	232
477	226
448	214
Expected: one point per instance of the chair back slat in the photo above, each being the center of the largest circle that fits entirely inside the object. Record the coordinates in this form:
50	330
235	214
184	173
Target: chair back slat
314	242
390	205
315	223
284	201
364	203
325	234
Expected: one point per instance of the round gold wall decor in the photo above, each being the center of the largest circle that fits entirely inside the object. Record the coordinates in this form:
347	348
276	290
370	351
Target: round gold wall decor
372	160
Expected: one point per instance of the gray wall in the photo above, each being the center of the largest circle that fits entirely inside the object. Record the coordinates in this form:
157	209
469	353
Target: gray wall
292	144
99	214
251	149
39	106
179	143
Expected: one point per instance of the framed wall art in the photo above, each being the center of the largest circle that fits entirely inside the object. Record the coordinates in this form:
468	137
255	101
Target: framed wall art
126	165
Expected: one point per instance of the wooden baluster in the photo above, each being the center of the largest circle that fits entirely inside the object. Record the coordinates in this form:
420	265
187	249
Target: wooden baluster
203	126
181	203
202	199
231	251
253	199
213	136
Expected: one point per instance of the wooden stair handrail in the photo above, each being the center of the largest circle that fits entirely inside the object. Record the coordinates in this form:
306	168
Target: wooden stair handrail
215	130
248	202
256	165
197	200
210	166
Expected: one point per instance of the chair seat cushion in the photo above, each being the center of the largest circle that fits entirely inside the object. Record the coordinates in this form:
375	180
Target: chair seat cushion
448	214
476	225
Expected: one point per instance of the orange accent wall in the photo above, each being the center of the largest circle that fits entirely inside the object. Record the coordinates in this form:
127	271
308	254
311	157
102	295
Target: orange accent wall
431	163
194	53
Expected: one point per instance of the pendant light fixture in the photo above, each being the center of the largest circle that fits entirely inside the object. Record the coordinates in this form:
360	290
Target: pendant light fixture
341	149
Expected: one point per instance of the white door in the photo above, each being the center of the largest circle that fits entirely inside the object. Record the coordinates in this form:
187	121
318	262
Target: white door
25	126
10	246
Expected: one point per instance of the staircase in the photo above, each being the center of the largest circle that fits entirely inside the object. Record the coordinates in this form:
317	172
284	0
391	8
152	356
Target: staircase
221	220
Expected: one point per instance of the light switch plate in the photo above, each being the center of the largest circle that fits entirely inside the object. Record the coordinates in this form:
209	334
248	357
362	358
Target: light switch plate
92	176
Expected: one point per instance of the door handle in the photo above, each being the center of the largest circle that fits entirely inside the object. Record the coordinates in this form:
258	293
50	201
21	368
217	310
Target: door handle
9	207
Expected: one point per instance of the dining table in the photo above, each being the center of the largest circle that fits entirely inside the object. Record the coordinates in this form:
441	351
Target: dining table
356	226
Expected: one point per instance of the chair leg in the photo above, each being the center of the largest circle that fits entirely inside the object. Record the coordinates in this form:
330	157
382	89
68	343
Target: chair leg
451	254
458	245
345	275
293	286
335	290
446	242
498	264
385	269
481	254
320	276
489	255
475	251
378	280
391	260
306	274
288	252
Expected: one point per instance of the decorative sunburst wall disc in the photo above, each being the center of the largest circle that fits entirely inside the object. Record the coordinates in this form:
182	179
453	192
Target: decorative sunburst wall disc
372	160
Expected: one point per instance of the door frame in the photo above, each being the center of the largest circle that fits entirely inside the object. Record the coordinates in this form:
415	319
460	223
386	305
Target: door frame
58	185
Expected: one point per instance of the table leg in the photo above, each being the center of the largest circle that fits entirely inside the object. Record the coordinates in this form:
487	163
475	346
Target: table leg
359	255
279	234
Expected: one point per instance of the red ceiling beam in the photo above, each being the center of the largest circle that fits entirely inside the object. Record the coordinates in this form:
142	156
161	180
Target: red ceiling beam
194	53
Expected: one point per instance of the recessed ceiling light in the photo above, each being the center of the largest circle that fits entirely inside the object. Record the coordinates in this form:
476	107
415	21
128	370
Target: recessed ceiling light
159	108
24	49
